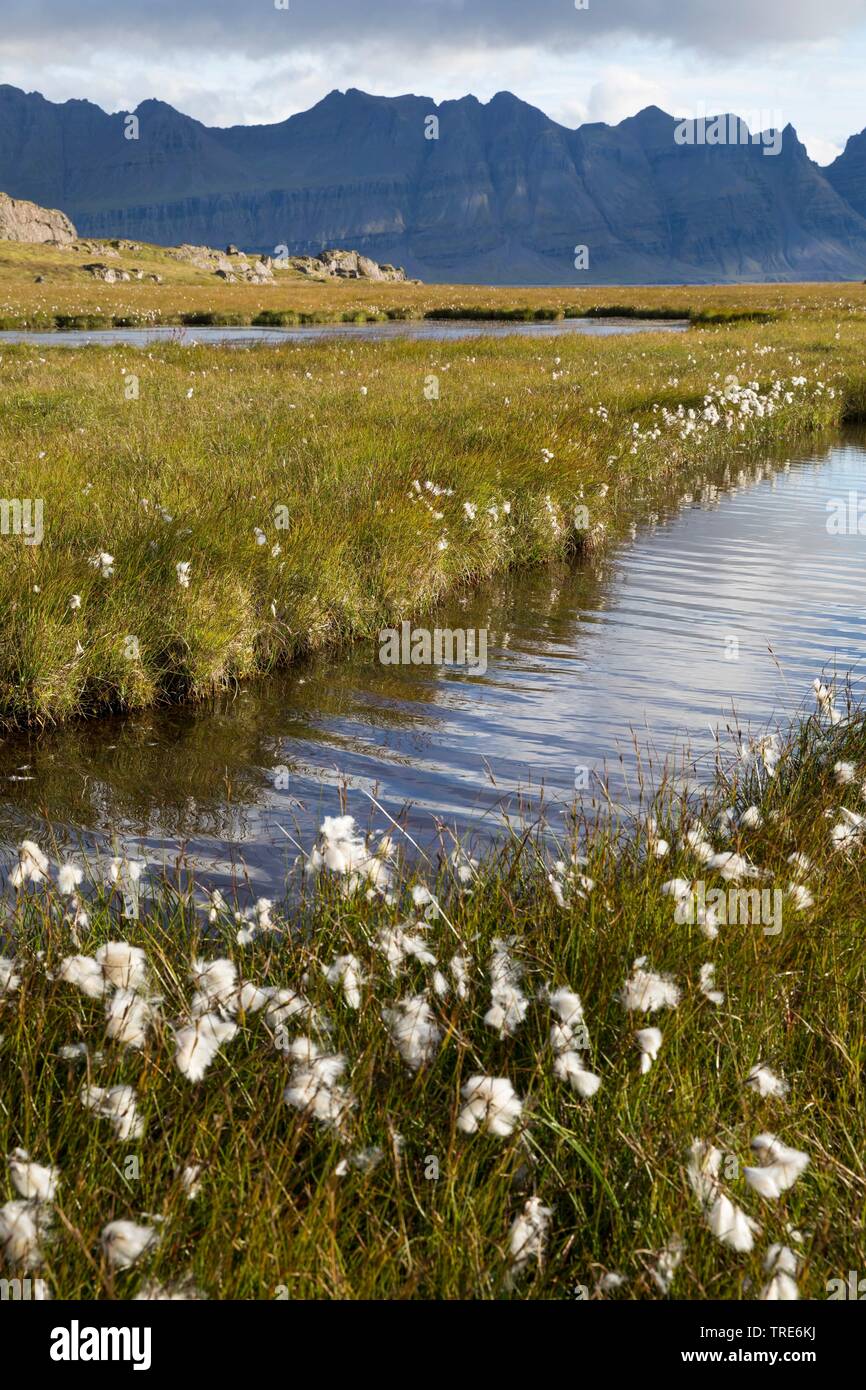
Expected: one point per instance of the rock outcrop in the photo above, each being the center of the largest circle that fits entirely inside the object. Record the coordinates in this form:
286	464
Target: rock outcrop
341	265
23	221
232	265
235	266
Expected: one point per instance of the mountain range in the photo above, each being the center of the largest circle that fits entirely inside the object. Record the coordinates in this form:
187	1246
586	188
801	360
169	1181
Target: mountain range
504	195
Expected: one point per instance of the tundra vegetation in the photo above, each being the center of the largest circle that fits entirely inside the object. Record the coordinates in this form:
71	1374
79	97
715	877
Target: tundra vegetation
530	1076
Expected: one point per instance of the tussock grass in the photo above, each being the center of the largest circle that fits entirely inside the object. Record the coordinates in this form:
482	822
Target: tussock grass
274	1218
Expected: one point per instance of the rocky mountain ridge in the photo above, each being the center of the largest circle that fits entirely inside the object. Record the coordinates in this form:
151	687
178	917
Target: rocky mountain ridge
466	191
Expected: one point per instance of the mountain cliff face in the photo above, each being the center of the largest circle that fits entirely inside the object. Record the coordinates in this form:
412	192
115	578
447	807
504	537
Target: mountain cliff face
847	174
504	195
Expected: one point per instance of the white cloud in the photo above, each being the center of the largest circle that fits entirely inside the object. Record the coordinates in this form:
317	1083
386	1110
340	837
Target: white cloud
822	151
620	92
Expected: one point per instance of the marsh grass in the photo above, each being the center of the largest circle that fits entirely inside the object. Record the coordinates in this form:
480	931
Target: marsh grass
177	454
274	1218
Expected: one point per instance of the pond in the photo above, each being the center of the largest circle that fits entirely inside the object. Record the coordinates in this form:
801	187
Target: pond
726	603
439	330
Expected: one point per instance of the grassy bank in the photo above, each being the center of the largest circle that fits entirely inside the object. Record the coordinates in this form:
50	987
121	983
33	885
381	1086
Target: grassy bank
208	514
47	287
369	1181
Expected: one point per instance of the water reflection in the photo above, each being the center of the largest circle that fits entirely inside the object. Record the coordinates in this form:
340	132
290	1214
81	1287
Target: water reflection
416	329
733	598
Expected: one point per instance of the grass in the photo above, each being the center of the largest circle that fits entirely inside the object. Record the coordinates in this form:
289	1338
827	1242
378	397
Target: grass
536	450
67	294
322	451
431	1218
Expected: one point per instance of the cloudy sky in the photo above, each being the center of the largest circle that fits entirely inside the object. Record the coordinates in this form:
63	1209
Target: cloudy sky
250	61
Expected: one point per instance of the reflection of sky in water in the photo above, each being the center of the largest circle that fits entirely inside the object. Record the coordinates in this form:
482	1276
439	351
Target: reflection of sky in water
577	661
417	329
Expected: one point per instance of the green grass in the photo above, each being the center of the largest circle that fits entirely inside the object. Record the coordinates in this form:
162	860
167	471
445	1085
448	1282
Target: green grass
324	447
274	1218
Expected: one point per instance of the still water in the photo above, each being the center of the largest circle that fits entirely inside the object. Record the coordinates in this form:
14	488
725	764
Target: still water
420	329
727	602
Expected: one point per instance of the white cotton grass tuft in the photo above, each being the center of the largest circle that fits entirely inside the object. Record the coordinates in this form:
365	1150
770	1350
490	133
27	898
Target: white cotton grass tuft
464	865
346	972
182	569
508	1002
667	1263
216	985
733	867
129	1017
123	966
765	1081
423	898
491	1104
23	1227
190	1180
676	888
32	1181
783	1264
780	1167
800	897
315	1087
198	1042
728	1222
342	850
124	1242
69	877
655	843
286	1004
441	984
649	1041
10	979
528	1237
646	992
402	943
459	966
103	562
751	819
125	871
119	1104
844	773
697	843
707	984
826	702
414	1030
32	866
85	973
568	882
569	1038
800	863
848	833
251	923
